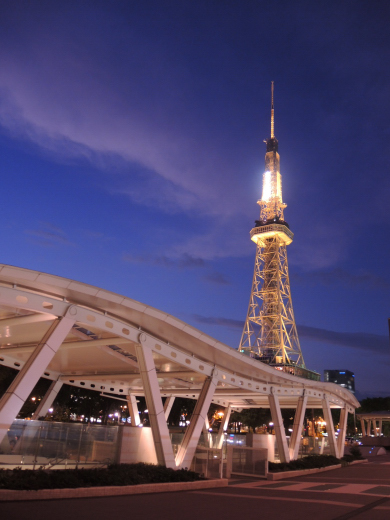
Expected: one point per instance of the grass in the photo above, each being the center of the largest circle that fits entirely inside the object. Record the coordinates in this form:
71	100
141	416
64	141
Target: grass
114	475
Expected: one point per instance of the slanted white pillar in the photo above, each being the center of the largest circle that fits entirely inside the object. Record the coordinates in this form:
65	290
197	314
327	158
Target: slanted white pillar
191	437
168	406
162	441
23	384
206	434
375	428
380	427
297	426
224	426
363	426
47	400
329	426
133	410
342	431
278	426
369	427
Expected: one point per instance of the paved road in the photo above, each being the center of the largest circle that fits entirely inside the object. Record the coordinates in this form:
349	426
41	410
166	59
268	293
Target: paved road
360	492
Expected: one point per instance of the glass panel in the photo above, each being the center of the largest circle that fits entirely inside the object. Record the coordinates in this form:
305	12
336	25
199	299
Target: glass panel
50	444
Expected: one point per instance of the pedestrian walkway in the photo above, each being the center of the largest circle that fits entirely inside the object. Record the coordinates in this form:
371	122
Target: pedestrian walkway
358	492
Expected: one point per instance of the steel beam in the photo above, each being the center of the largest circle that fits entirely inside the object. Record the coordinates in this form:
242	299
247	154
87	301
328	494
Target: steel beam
188	446
329	426
297	427
23	384
342	431
223	426
162	441
26	319
279	427
133	409
70	344
206	434
168	406
47	400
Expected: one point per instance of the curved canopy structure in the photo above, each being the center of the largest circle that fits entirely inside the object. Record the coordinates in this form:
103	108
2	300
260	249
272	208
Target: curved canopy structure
84	336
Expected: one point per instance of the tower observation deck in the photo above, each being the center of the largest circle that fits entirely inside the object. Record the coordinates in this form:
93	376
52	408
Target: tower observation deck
270	334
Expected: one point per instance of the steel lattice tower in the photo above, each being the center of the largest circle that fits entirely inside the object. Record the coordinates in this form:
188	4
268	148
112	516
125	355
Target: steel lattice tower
270	333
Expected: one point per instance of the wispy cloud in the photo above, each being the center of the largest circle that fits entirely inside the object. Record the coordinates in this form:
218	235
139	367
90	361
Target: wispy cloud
154	191
357	340
97	236
49	236
222	322
142	107
343	277
223	238
184	262
216	278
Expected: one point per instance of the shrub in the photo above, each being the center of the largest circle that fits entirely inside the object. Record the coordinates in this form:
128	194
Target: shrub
355	452
348	458
114	475
309	462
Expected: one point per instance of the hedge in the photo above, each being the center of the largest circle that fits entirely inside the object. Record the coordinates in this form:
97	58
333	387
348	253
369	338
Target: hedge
114	475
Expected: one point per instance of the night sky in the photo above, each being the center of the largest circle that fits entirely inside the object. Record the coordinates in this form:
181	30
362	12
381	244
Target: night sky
131	158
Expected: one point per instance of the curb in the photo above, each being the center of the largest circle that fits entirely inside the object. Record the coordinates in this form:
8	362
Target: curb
299	473
8	495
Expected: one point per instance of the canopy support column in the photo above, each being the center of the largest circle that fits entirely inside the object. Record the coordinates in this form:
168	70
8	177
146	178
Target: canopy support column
48	400
297	426
224	426
191	437
206	433
133	409
343	430
162	441
329	426
23	384
279	426
168	406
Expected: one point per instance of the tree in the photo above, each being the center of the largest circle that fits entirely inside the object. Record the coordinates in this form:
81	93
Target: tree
7	375
252	417
181	406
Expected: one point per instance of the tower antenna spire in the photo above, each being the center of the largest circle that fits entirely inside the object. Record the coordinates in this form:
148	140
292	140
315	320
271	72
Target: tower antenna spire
270	334
272	112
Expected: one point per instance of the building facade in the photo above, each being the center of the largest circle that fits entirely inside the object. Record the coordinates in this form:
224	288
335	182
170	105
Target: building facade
344	378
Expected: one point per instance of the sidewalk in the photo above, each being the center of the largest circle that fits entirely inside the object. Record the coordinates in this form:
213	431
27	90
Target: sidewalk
360	492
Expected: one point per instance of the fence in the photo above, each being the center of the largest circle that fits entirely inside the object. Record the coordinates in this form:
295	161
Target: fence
250	462
208	462
50	444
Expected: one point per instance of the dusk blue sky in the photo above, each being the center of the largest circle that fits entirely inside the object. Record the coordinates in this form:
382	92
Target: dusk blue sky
131	158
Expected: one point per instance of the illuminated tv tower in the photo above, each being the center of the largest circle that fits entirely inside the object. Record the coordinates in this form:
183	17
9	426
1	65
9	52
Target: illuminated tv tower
270	333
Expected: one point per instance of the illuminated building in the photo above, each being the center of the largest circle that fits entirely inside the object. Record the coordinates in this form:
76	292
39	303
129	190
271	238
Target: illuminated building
270	333
344	378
